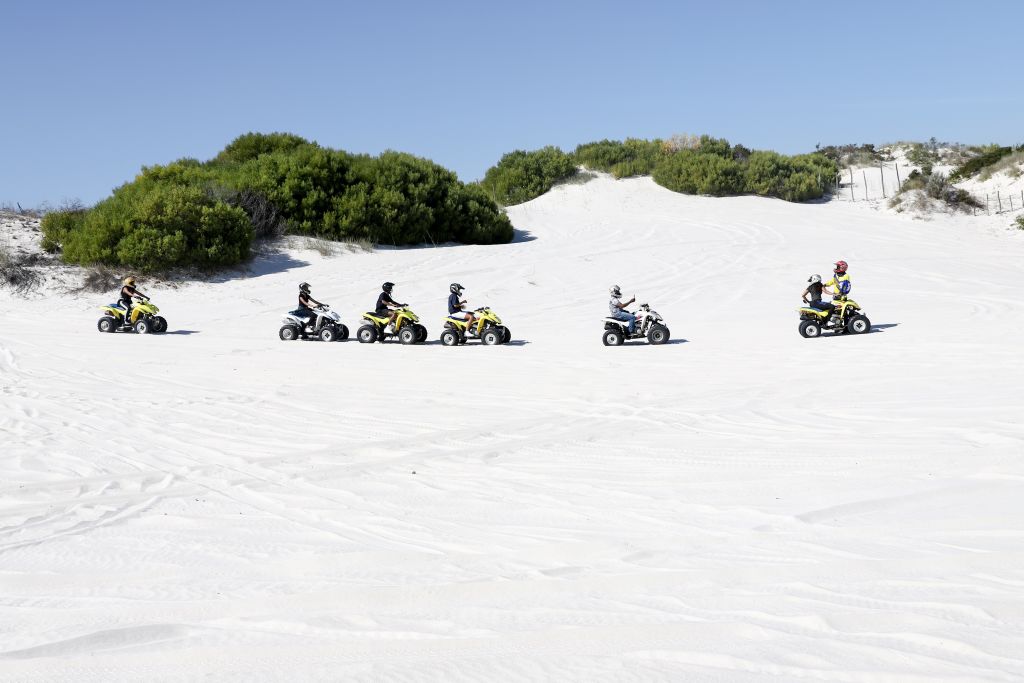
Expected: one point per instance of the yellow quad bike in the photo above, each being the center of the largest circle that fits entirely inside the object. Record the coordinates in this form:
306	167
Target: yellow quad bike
144	318
407	328
845	316
486	326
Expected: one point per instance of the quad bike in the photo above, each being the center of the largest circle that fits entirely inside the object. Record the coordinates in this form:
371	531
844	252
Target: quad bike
324	324
486	327
407	328
844	316
143	318
649	326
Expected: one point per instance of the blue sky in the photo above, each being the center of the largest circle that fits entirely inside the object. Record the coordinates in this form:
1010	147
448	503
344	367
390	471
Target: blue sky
92	91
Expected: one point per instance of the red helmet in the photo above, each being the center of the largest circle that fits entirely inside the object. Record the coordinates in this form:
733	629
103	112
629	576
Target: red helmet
841	267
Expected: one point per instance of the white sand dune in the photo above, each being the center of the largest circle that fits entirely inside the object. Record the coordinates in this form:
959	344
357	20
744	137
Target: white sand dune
742	504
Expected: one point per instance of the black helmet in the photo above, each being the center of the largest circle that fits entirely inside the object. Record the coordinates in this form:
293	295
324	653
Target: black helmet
388	286
455	288
304	287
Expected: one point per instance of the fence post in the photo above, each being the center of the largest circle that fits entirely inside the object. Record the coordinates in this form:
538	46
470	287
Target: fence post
1000	200
881	169
899	183
852	198
986	205
865	184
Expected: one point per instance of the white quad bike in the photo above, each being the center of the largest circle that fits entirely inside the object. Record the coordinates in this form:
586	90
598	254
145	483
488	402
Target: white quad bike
324	324
649	326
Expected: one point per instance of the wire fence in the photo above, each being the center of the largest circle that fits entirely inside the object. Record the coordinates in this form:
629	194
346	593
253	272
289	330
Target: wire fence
880	182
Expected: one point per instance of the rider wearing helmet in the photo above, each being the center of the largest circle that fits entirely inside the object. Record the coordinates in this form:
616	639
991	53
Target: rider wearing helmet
456	306
386	305
617	309
812	294
840	280
128	294
306	304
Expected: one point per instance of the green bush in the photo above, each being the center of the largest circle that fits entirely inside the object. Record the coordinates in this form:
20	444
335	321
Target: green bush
693	172
1019	222
521	176
205	215
988	156
633	157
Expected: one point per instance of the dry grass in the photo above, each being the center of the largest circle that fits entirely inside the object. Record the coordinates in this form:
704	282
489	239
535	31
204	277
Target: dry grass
1010	164
17	273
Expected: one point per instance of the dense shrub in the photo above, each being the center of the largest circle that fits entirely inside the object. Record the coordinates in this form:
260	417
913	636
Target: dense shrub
633	157
692	172
990	155
189	213
56	225
1019	222
521	176
252	145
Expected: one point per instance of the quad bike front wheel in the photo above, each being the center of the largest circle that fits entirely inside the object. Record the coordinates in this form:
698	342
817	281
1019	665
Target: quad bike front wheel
507	338
159	324
658	334
328	333
367	334
408	335
143	326
342	332
491	336
106	324
809	329
450	338
421	333
613	338
858	324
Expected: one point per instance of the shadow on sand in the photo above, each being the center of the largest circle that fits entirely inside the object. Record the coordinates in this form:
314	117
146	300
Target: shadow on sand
183	332
522	236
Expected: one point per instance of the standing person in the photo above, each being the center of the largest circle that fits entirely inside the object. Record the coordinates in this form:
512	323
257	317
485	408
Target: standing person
128	294
617	309
386	305
812	294
306	304
456	306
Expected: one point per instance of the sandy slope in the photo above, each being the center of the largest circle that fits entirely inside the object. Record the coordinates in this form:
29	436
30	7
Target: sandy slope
740	505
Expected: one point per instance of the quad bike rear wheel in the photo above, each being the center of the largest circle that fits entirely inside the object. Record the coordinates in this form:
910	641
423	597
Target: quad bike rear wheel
809	329
288	333
106	324
613	338
367	334
450	338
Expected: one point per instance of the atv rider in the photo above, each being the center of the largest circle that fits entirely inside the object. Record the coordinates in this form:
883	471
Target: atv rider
617	309
812	294
128	294
456	306
840	280
305	309
386	305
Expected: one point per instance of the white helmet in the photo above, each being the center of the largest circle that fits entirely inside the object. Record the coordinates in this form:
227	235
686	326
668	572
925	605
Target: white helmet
614	290
814	279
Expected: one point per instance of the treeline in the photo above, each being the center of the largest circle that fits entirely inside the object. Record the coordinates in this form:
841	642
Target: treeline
686	164
206	214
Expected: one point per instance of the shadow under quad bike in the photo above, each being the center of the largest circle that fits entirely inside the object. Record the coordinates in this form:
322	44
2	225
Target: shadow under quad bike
407	328
486	327
143	318
649	325
844	316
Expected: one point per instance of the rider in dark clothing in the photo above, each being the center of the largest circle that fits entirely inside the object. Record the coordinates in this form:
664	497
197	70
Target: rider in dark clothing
306	305
386	305
812	294
128	294
457	306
